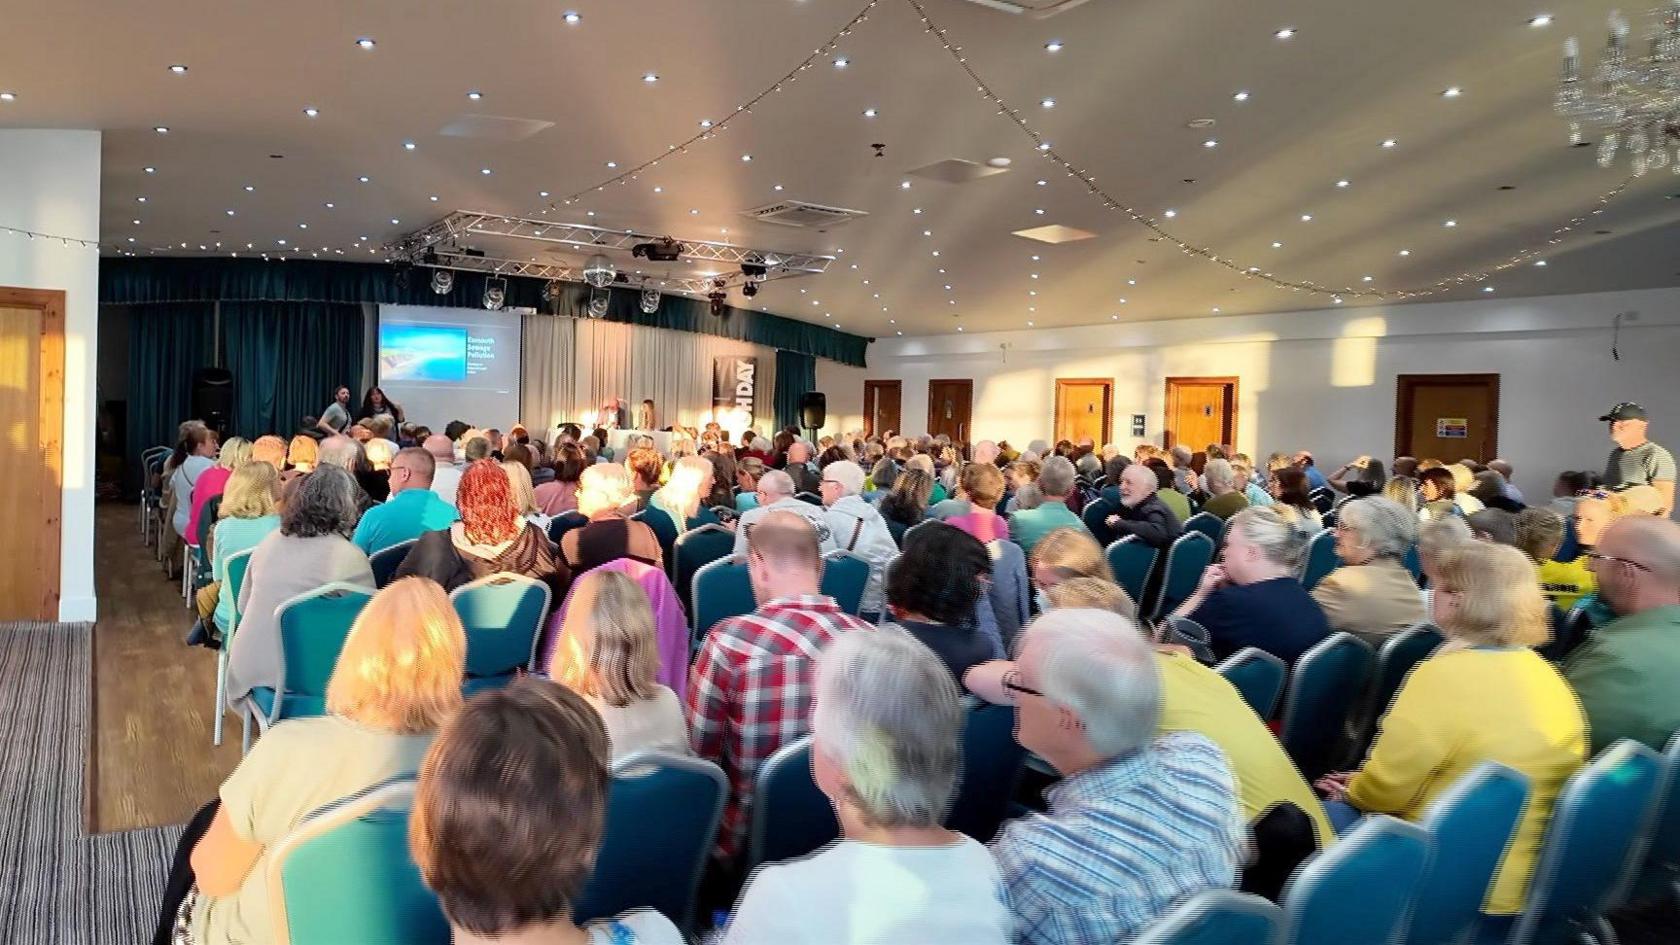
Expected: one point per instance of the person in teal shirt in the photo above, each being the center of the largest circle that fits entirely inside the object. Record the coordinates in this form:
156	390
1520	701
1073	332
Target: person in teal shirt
1055	483
412	509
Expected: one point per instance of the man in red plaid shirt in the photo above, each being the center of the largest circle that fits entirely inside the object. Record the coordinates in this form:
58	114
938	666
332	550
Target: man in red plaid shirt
751	692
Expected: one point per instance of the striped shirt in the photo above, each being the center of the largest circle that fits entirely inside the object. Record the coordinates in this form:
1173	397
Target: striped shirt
1123	843
752	690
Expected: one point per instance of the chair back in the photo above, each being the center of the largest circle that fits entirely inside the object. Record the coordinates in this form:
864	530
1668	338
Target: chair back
1217	917
1182	631
233	574
721	589
992	764
1395	660
207	519
1131	561
1208	524
313	627
503	615
810	497
345	875
1664	860
1320	559
1568	632
1471	824
1327	683
1413	562
790	816
1323	498
663	527
560	524
693	550
386	561
1188	557
1095	516
844	577
1360	888
1596	839
1258	676
662	818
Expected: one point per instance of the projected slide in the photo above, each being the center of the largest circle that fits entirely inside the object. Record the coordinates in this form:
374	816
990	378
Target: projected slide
434	353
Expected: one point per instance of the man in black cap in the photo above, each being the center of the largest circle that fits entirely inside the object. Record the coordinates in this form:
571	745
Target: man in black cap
1636	461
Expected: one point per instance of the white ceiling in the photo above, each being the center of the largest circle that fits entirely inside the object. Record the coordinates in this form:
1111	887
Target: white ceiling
1130	75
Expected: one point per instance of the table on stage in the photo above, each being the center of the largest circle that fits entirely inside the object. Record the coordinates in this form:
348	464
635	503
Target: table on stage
617	441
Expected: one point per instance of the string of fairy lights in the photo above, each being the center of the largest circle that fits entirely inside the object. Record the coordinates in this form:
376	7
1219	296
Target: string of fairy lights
710	130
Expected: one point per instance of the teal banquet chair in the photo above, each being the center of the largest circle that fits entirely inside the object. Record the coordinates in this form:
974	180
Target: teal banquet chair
1258	676
1187	558
844	577
992	763
1471	823
722	589
503	615
1217	917
313	627
1320	559
1131	561
1361	888
1327	682
790	815
234	567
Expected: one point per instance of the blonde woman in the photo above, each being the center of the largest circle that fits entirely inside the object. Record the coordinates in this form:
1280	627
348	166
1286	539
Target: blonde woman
235	453
300	456
691	481
609	654
249	511
524	495
1252	597
1404	491
1063	555
1485	696
397	679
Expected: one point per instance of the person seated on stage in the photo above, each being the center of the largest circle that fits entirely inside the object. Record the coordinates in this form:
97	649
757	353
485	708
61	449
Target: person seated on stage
645	417
490	538
682	498
509	816
605	497
906	505
446	476
560	495
646	465
397	679
1254	597
608	652
1140	820
1372	595
886	750
413	508
980	487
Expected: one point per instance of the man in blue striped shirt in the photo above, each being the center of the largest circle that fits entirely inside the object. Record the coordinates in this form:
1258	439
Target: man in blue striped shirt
1138	823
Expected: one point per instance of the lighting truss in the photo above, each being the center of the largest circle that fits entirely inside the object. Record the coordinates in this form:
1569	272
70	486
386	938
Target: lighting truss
465	262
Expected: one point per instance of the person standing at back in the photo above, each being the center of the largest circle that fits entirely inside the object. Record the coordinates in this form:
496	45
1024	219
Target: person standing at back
1636	461
336	418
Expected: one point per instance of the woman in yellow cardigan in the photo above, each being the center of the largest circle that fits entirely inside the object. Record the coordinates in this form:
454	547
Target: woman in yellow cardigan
1485	696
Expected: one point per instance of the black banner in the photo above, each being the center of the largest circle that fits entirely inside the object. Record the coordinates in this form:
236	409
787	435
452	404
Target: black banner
734	380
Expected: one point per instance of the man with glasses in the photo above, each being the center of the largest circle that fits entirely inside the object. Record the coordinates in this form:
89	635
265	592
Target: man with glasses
775	494
1625	673
1636	461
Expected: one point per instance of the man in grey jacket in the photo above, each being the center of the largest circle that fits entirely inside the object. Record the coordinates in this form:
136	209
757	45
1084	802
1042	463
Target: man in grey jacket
857	526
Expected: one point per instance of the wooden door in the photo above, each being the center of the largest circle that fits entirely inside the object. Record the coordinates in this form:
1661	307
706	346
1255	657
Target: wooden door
1448	417
1200	411
1084	409
950	404
881	403
31	456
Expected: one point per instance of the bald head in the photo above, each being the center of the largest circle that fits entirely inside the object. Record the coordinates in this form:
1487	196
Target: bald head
1637	564
784	557
799	452
440	447
339	450
985	451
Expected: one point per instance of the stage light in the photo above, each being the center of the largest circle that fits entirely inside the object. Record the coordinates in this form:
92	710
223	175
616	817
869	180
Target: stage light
749	290
495	293
597	305
599	271
443	280
650	300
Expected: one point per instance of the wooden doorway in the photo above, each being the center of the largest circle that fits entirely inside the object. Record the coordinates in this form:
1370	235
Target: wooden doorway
32	455
1200	410
1084	409
882	401
950	409
1448	417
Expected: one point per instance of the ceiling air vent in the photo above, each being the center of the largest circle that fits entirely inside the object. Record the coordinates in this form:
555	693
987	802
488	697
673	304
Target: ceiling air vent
1037	9
810	216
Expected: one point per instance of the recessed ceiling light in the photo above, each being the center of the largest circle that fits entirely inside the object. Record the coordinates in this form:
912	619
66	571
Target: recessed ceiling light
777	187
161	129
140	199
1542	19
364	178
1039	211
1389	142
281	242
151	170
1043	183
303	226
1487	288
1364	278
178	69
901	333
1276	244
1216	310
1210	143
395	221
365	42
650	77
1035	259
1540	262
1405	252
611	165
869	113
1044	146
842	62
1170	214
903	185
1343	183
916	210
1240	96
249	188
311	111
572	17
1306	218
1131	282
693	212
1047	103
1114	318
434	198
1450	223
475	95
8	96
485	171
135	222
229	213
927	232
1336	299
746	157
1288	32
1452	92
1054	45
657	190
329	205
409	145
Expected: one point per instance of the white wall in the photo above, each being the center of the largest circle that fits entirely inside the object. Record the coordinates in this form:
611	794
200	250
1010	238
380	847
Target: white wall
49	183
1324	380
844	386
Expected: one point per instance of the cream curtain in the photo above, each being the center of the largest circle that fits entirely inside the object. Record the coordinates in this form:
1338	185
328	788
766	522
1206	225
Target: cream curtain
572	365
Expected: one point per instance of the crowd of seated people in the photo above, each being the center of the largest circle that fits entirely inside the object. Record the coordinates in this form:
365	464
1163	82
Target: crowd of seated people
1158	770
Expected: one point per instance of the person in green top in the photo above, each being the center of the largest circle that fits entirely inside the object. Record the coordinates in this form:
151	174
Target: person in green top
1221	482
1625	673
413	508
1055	483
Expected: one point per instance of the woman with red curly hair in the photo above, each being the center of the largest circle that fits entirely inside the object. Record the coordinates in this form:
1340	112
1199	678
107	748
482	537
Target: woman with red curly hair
491	537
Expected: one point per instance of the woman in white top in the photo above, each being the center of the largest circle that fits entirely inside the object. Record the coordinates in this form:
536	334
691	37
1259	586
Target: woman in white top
524	495
608	653
886	749
198	454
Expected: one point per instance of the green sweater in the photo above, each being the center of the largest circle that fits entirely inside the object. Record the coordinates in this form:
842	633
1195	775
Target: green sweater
1625	677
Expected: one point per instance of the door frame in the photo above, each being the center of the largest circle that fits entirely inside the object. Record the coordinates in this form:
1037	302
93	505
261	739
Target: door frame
1233	388
1107	384
969	382
1405	384
50	439
877	386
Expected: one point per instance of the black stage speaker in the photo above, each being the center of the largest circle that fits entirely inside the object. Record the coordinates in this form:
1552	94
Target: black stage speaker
212	398
813	410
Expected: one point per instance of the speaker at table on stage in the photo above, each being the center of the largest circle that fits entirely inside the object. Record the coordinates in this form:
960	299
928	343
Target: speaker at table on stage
646	419
813	410
212	397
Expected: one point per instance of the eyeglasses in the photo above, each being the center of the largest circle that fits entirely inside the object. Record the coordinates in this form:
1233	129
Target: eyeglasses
1592	493
1010	684
1593	558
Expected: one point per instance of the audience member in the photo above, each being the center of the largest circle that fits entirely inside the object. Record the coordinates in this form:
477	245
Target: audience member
300	457
524	497
1087	592
236	452
396	680
1055	484
560	495
1489	489
609	653
446	476
1288	486
1485	696
1303	461
886	750
413	508
1251	489
311	548
1540	535
1437	493
751	686
922	462
509	817
1139	822
1494	525
905	506
935	591
1372	595
1063	555
605	498
682	498
1464	480
799	468
1505	472
775	494
1220	480
1253	597
1403	491
194	457
336	418
646	466
248	512
1142	511
1636	460
1360	478
490	538
857	526
1625	672
980	486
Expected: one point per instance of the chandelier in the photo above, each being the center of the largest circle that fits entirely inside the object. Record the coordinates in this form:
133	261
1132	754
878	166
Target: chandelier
1633	99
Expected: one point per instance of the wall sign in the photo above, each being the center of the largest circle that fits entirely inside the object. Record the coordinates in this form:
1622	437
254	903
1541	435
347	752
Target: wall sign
1452	428
1137	424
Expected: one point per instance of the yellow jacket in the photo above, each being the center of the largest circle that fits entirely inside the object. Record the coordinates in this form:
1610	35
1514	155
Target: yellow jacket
1460	708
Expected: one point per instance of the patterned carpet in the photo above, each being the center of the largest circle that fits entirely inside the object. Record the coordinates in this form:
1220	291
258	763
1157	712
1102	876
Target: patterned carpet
61	886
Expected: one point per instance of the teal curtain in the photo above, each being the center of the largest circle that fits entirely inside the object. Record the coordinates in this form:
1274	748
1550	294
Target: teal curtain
157	281
287	358
167	343
795	375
